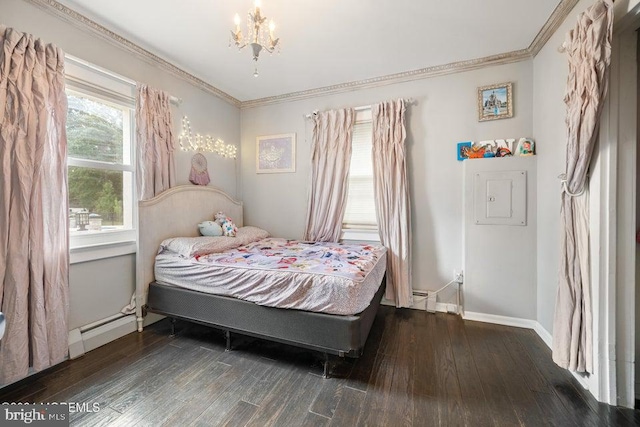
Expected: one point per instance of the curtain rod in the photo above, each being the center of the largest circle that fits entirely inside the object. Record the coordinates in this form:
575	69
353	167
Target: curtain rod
361	108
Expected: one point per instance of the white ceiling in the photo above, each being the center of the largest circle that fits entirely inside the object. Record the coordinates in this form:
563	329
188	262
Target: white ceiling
324	42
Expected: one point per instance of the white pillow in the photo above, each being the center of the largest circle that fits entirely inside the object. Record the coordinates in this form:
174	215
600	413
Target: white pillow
197	246
251	234
210	228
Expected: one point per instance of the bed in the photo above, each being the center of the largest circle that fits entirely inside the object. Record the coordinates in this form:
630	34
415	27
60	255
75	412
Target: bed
176	212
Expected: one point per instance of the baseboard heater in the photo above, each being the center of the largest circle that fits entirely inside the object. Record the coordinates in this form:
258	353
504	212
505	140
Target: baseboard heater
96	334
432	305
432	299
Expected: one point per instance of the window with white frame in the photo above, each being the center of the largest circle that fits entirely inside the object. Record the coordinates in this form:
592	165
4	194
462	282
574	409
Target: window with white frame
359	222
100	157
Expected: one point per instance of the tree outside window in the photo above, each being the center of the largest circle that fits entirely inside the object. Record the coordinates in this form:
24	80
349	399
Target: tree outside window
100	170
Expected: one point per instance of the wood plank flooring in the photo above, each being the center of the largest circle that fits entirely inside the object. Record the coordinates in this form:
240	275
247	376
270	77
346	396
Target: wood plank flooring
418	369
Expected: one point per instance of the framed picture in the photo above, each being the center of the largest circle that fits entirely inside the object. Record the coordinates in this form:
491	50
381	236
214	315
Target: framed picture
495	102
276	153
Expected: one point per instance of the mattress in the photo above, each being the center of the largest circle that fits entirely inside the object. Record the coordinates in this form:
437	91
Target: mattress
321	277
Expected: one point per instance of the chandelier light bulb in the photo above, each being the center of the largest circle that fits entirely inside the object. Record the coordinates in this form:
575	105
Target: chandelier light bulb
260	34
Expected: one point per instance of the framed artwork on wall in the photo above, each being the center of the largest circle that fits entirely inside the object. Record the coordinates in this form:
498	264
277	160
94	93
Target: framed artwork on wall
495	102
276	153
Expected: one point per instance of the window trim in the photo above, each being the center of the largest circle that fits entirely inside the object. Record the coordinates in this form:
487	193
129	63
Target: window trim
94	252
89	81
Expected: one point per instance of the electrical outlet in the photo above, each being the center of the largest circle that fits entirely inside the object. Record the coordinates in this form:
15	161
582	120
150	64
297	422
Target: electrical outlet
458	276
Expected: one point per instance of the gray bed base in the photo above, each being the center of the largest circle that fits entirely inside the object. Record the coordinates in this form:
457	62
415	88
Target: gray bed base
326	333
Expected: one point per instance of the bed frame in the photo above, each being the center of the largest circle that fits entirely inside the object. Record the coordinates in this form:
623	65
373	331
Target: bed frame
177	212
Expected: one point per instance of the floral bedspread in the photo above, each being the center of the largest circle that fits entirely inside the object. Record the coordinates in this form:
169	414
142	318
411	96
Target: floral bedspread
352	261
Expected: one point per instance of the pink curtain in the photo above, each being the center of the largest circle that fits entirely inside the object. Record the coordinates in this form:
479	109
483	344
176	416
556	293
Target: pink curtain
156	170
330	161
589	49
391	191
34	248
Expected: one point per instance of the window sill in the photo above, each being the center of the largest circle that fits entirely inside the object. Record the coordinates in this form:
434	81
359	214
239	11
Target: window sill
78	254
360	235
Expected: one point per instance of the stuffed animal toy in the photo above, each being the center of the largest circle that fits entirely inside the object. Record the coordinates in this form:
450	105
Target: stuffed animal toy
210	228
220	218
228	227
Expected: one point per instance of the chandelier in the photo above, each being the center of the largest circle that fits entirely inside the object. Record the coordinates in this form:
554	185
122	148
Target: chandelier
258	36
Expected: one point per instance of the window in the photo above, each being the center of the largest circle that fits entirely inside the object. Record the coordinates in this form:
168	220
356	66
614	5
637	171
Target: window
101	171
360	221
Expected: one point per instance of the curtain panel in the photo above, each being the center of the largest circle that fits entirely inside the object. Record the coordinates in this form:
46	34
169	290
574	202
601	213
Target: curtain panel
588	47
34	242
330	161
391	192
156	170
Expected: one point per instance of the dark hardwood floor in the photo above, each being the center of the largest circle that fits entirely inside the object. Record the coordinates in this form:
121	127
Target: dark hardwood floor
418	369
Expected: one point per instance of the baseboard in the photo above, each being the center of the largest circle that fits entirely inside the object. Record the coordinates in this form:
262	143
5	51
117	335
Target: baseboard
110	332
82	342
500	320
441	307
543	334
76	345
421	304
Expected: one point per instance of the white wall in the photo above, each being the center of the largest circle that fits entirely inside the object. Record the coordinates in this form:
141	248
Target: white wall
91	283
99	288
500	260
445	114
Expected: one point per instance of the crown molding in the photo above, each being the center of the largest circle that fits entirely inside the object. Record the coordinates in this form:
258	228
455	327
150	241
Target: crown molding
83	23
422	73
552	24
556	19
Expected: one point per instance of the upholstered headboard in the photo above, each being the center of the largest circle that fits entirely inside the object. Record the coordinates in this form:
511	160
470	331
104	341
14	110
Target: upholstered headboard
175	213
